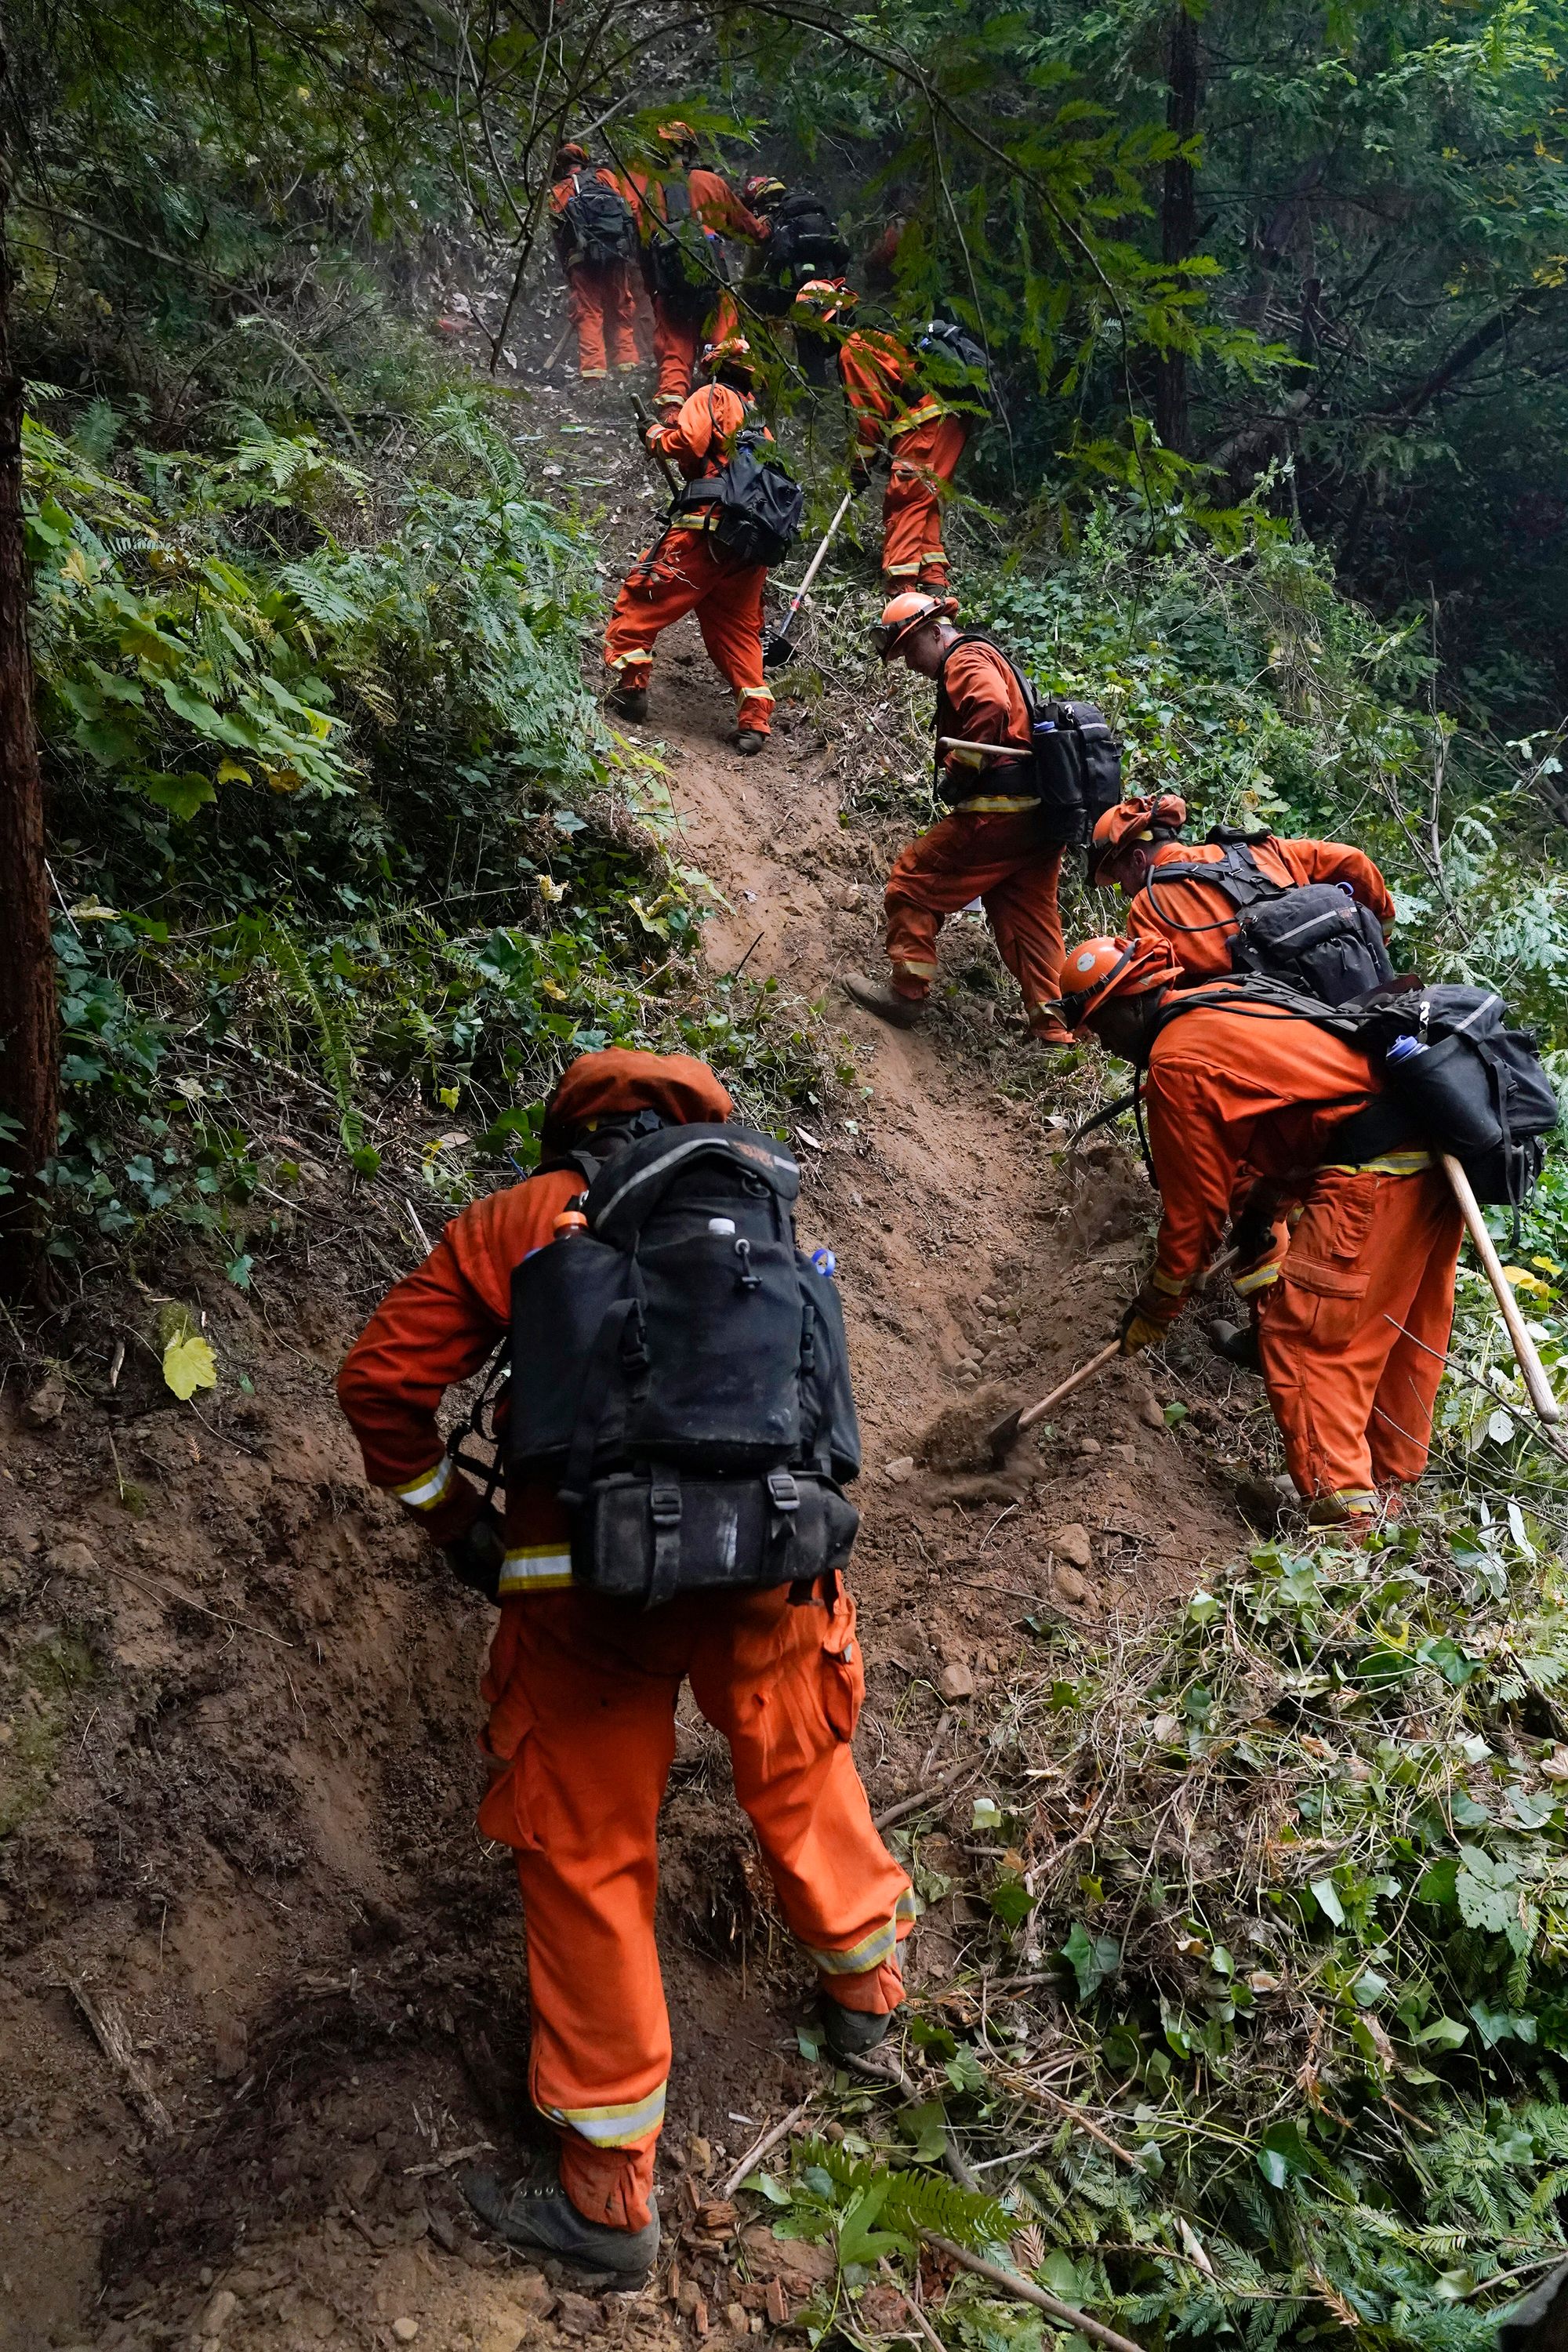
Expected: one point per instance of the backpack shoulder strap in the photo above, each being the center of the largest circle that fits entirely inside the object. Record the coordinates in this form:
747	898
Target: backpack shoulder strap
983	637
1237	874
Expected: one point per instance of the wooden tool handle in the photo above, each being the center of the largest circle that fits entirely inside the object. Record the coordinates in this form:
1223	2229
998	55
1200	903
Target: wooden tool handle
1074	1380
814	566
1546	1405
996	751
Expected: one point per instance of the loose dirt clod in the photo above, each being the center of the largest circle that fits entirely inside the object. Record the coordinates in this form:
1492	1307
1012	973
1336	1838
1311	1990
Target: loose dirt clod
957	1438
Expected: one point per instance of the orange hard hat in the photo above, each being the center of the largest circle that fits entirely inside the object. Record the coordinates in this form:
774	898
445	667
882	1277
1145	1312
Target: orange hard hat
759	188
1135	821
1097	969
571	157
822	301
599	1085
676	134
905	613
729	351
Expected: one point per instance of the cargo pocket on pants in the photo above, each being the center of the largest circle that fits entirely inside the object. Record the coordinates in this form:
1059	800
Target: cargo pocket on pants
506	1812
843	1670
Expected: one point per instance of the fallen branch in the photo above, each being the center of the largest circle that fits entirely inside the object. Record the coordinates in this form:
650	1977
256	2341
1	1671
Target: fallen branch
768	2142
891	2076
108	2032
1027	2292
1022	2089
445	2163
923	1796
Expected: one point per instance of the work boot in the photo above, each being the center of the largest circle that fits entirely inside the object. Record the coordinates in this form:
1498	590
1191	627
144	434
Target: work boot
1265	1501
1054	1040
537	2217
850	2032
876	997
628	701
1237	1342
749	742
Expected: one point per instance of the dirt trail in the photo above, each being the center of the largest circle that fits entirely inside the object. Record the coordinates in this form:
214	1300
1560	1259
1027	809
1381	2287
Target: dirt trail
237	1772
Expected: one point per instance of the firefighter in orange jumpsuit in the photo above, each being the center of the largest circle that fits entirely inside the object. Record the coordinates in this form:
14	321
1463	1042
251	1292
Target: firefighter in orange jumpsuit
895	414
1135	840
993	847
1352	1331
599	294
682	325
688	572
582	1694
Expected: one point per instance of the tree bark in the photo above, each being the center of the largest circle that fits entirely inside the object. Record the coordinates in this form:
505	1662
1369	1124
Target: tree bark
29	1046
1178	218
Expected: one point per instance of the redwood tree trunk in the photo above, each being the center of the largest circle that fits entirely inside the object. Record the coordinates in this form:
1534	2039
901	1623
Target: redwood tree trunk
1178	218
29	1049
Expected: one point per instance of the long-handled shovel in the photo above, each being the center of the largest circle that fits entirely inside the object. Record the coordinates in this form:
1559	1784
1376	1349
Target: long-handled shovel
640	410
1006	1433
779	649
1546	1405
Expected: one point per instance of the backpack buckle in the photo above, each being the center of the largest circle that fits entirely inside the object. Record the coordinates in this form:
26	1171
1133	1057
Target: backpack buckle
664	1503
784	1492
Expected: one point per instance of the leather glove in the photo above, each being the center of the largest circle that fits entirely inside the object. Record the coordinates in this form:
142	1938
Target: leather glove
1147	1321
475	1557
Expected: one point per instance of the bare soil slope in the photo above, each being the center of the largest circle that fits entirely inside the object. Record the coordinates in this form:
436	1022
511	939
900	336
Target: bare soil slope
259	1974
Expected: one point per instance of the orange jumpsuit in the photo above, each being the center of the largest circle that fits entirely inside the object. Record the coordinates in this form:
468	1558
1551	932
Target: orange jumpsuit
582	1698
1199	920
599	297
1350	1332
678	339
688	571
991	848
889	405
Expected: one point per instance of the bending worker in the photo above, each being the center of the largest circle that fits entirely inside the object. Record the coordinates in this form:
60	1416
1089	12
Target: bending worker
897	414
1138	841
993	847
581	1692
687	571
1351	1334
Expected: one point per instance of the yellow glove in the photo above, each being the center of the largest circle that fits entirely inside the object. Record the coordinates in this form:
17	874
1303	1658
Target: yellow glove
1148	1320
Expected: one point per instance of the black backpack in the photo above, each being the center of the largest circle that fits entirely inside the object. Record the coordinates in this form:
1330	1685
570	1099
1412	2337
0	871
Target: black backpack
1074	769
594	226
954	364
1457	1080
679	1371
805	243
759	504
684	269
1311	936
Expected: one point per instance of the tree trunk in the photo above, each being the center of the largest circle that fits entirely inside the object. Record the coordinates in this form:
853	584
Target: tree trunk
1178	218
29	1049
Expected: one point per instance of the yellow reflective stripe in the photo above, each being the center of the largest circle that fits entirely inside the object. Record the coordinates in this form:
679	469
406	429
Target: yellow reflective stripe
1345	1502
755	694
915	970
618	2127
995	804
1173	1289
926	414
1259	1279
906	1907
422	1494
535	1568
870	1952
1390	1163
902	571
638	658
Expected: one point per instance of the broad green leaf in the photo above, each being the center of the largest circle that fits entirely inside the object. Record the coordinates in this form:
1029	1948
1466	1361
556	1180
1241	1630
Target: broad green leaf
1444	2034
1327	1900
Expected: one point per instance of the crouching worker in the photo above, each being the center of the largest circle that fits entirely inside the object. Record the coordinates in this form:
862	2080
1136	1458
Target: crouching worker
1351	1332
688	570
995	846
687	1522
1209	897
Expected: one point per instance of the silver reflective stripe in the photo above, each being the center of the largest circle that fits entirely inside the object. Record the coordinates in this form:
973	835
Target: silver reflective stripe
535	1568
421	1492
618	2127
